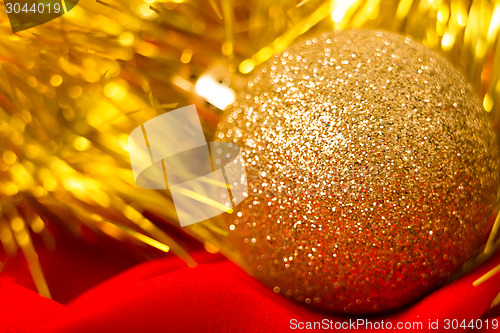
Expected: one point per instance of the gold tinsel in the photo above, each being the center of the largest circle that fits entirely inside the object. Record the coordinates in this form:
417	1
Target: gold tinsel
71	91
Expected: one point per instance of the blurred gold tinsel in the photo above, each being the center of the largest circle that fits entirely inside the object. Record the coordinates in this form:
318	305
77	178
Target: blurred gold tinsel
71	91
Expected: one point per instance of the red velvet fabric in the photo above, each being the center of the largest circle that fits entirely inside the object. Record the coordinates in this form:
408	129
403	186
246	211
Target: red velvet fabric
164	295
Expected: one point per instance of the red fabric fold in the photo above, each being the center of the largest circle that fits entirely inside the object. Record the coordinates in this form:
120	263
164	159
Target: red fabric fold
23	310
216	296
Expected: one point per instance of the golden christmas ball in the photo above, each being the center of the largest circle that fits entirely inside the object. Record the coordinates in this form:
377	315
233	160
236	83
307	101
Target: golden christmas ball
372	171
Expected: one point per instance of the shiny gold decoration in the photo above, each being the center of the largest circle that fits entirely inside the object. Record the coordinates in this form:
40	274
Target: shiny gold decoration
372	171
71	90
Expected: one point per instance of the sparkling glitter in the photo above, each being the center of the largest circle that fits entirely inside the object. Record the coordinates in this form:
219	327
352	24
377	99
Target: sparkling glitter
372	171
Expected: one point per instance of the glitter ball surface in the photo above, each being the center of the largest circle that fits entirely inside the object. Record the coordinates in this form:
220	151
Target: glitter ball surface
372	171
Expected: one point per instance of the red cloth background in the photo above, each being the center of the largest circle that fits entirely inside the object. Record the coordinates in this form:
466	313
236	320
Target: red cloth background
164	295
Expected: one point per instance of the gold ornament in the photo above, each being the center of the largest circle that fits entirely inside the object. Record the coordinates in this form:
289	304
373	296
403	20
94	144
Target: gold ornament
372	171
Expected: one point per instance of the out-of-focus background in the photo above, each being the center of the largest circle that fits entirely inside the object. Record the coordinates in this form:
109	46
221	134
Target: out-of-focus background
72	89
